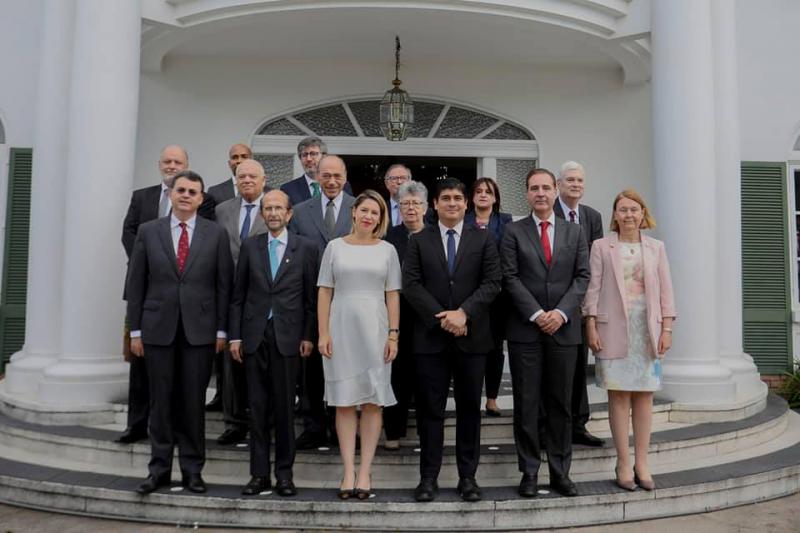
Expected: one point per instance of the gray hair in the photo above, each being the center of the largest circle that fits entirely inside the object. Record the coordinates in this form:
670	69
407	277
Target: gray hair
412	188
571	165
398	165
312	141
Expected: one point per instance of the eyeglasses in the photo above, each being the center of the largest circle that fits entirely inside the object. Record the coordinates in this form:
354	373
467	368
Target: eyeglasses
410	203
310	154
184	190
273	209
397	178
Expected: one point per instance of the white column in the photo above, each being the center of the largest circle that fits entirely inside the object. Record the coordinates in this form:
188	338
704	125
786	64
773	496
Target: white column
46	250
685	202
487	168
103	113
729	234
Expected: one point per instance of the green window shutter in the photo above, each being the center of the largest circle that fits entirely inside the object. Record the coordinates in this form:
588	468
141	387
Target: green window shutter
766	297
15	264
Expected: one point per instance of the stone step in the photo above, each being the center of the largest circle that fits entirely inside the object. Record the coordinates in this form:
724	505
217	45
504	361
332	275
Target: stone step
91	449
110	495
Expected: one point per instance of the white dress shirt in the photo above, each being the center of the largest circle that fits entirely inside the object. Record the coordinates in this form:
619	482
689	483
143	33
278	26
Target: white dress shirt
253	212
551	232
443	231
566	209
309	184
337	203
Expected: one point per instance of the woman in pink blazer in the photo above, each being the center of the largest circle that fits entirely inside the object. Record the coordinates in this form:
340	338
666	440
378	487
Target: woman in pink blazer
629	309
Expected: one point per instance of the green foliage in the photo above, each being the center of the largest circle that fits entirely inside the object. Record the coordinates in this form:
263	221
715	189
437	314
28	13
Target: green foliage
790	389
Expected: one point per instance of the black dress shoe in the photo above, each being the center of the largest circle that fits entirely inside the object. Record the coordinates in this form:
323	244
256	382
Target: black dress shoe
215	404
494	413
426	490
285	487
587	439
528	486
564	486
469	490
194	483
256	485
232	436
152	484
131	435
309	441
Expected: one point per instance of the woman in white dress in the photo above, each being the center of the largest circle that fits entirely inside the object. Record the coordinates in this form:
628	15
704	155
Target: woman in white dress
629	309
359	316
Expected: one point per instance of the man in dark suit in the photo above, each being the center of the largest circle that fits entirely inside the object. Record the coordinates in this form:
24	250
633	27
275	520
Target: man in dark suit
220	193
146	204
178	290
451	274
546	272
224	191
321	219
240	218
273	321
309	152
568	207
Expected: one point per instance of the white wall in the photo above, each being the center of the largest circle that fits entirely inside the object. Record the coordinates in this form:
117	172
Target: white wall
769	74
206	104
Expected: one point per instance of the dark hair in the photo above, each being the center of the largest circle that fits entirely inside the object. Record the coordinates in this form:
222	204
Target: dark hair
539	171
191	176
450	183
489	182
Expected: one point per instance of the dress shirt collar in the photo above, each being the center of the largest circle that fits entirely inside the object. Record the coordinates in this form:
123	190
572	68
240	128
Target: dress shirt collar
458	227
164	187
283	237
566	209
174	222
551	219
256	202
337	201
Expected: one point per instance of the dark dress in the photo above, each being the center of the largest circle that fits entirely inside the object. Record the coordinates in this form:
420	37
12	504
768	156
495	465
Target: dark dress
496	359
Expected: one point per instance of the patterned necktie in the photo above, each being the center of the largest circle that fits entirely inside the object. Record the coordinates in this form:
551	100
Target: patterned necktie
246	224
330	218
451	250
164	204
273	262
545	238
572	216
315	189
183	247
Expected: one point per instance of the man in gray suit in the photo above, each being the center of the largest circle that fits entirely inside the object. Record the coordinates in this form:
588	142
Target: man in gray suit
178	290
276	283
240	218
546	271
571	180
321	219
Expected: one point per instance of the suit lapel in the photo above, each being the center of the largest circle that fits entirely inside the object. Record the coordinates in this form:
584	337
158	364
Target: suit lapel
467	237
152	202
533	234
263	257
435	240
616	264
198	240
345	219
257	225
165	236
560	230
288	257
231	220
316	215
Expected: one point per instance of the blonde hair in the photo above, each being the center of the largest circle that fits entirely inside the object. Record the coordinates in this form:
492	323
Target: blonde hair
648	222
383	223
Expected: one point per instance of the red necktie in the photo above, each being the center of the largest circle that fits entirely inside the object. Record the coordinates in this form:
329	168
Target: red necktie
572	216
183	247
548	255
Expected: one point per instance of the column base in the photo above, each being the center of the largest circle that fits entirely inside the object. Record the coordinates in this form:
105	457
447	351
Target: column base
24	372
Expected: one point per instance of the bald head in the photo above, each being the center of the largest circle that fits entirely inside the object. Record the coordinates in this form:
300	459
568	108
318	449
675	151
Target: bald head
238	153
276	209
250	179
173	159
331	175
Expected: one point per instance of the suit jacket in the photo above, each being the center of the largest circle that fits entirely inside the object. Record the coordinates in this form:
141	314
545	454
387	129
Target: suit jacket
228	217
430	289
606	298
158	294
497	224
533	286
292	295
144	207
591	221
307	220
298	192
222	192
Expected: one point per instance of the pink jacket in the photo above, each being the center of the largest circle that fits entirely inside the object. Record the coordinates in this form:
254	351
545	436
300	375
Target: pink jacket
605	297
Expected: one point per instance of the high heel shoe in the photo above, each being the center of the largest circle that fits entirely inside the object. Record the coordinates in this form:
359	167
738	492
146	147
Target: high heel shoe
627	484
346	494
363	494
646	484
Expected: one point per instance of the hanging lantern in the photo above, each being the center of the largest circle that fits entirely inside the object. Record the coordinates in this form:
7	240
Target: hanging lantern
397	108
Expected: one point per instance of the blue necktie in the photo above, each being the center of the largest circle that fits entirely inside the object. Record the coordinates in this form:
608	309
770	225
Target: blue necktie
246	224
451	250
273	262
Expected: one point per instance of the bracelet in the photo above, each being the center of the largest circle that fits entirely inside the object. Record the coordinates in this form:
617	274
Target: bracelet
668	330
393	339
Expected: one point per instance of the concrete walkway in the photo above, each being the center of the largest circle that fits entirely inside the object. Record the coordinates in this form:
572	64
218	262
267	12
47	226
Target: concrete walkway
775	516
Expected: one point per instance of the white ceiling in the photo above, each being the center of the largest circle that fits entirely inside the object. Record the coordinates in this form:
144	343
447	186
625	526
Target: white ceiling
368	34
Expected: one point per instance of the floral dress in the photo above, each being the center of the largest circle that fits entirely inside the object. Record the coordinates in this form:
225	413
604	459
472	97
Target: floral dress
640	370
